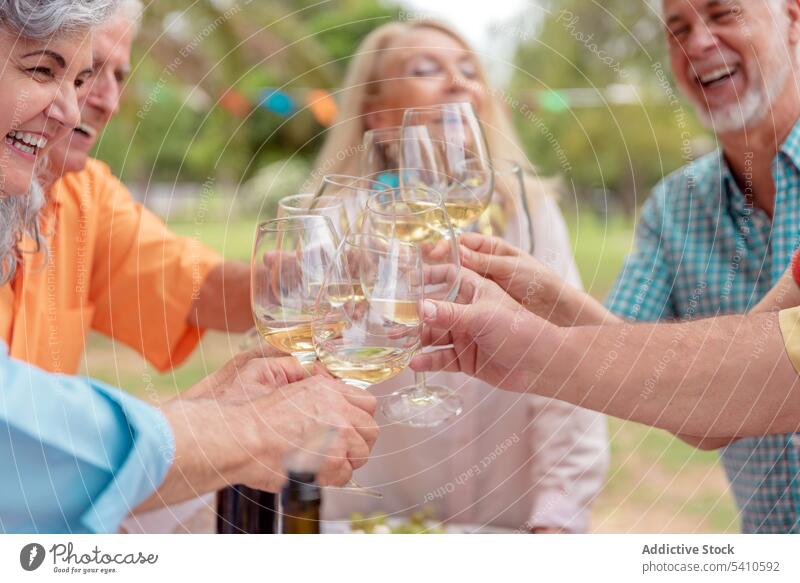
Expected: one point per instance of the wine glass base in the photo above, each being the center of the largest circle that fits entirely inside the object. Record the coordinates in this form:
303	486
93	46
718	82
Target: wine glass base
430	408
307	360
357	489
357	384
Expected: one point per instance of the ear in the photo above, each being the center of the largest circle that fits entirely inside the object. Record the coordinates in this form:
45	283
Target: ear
793	11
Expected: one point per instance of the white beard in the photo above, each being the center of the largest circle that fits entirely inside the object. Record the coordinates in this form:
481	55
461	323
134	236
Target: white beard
18	217
749	110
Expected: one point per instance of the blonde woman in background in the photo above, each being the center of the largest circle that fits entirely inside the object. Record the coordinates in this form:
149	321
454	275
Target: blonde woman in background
516	462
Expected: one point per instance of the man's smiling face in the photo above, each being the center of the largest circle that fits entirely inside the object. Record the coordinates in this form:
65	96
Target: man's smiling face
111	50
731	58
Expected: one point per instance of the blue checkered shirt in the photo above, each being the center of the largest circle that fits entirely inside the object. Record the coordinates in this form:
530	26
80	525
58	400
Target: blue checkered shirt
703	250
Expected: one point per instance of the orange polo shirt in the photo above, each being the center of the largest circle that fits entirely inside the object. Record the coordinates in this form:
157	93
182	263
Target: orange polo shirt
112	266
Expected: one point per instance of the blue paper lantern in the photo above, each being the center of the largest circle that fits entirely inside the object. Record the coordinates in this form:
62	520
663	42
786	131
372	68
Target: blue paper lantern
278	102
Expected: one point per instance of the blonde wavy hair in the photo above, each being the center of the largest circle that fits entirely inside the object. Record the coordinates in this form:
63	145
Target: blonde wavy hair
339	153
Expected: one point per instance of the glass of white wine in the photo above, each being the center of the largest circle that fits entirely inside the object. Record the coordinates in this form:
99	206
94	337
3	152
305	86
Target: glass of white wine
401	156
417	216
370	336
463	155
310	204
290	258
352	191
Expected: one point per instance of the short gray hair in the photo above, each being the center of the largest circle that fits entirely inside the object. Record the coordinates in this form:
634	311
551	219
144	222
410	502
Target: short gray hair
132	10
41	19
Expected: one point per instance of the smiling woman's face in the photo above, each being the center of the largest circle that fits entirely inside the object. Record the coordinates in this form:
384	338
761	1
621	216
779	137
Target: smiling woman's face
423	67
40	82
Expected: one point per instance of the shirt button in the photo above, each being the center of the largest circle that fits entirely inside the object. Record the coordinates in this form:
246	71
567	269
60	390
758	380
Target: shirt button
796	440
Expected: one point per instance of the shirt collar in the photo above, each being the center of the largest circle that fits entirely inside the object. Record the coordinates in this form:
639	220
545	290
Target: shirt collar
790	148
791	145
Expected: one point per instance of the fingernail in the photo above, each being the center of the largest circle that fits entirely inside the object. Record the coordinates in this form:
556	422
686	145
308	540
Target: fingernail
429	310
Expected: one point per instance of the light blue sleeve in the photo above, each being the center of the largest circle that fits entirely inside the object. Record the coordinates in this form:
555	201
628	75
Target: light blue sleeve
75	455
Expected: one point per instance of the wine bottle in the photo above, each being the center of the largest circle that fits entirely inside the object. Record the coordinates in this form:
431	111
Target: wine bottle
301	500
243	510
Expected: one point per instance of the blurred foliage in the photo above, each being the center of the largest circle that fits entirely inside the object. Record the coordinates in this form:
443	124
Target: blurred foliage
171	126
620	151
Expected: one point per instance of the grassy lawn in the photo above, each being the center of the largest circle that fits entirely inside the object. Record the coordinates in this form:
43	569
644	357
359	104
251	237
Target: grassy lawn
656	483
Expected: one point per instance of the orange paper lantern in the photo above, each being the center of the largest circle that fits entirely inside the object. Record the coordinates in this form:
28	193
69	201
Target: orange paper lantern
323	106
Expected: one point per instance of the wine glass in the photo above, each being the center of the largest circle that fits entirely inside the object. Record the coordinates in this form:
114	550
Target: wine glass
368	337
509	184
353	191
366	325
401	156
311	204
465	165
417	215
290	259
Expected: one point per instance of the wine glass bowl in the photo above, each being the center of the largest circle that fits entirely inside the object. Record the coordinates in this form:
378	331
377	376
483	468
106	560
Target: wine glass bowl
290	258
509	185
401	156
310	204
418	216
370	336
352	191
456	136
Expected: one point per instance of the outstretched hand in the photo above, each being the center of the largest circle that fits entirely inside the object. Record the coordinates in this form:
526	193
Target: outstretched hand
485	334
530	282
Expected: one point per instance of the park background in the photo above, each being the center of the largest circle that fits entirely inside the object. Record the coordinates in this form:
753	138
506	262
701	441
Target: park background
228	103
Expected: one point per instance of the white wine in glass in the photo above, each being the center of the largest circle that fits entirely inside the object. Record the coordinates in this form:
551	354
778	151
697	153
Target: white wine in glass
290	258
370	339
463	156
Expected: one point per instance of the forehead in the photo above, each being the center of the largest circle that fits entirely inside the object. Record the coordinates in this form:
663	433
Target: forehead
686	7
70	46
112	42
428	40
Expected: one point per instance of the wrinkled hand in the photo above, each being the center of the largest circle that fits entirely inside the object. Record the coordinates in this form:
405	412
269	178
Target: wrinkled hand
269	407
249	375
490	333
293	416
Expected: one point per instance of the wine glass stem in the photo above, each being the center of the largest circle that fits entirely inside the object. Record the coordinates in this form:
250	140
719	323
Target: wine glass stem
420	384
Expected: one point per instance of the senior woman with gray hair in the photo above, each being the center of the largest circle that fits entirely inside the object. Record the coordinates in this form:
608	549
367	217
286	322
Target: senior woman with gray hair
76	455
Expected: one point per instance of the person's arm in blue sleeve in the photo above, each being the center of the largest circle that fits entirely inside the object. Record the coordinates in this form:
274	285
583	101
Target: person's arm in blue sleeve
77	456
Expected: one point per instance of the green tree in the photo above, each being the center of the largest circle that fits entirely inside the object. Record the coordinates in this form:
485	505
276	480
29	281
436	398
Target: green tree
173	126
622	149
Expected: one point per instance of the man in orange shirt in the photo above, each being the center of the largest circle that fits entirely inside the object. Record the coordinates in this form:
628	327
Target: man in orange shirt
113	266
